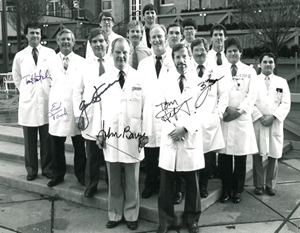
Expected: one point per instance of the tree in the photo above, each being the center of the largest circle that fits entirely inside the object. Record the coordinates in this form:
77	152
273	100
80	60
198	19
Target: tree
28	10
269	21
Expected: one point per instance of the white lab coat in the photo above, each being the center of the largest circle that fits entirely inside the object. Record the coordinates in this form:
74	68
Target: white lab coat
84	92
61	113
32	81
214	103
274	101
239	134
89	54
211	58
123	110
153	90
187	154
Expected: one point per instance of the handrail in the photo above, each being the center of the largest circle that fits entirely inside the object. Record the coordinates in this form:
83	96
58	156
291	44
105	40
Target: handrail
171	10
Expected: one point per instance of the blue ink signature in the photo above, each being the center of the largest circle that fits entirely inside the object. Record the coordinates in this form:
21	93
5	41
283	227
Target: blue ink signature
56	111
37	77
205	87
95	98
168	110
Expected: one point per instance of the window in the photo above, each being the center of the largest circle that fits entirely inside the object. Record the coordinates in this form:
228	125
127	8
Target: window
106	5
166	2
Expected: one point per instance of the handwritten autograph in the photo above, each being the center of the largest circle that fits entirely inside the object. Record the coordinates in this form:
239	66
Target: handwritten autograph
56	111
34	78
95	98
125	134
168	110
172	108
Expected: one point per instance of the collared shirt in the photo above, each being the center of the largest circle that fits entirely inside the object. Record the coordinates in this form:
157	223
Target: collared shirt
163	56
69	56
38	48
141	51
212	57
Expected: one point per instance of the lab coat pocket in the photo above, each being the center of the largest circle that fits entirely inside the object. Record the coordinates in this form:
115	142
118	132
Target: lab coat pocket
135	104
135	125
25	94
192	141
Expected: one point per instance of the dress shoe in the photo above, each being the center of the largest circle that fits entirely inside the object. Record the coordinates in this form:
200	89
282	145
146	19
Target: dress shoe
178	198
147	193
132	225
31	177
225	197
193	228
258	191
203	193
48	175
237	197
270	191
112	224
55	181
88	193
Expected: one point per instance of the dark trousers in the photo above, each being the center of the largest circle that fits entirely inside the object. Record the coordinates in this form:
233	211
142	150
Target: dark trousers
192	205
233	179
31	154
205	172
95	158
59	158
152	170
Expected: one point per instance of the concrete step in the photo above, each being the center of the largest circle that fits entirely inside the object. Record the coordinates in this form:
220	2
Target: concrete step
13	174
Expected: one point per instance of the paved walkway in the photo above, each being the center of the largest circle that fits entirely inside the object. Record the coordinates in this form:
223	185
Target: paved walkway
22	211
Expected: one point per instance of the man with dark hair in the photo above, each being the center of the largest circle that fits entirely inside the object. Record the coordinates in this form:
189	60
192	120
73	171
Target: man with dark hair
212	108
123	111
149	14
106	22
218	35
87	120
189	31
174	33
153	69
137	51
29	66
65	68
181	144
271	108
237	124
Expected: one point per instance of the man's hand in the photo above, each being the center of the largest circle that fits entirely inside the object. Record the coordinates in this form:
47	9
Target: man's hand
267	121
178	133
143	141
80	123
100	142
233	113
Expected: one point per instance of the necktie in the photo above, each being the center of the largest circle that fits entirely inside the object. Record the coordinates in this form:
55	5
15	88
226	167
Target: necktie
101	66
181	86
201	71
66	62
158	65
219	59
233	70
267	81
135	61
121	78
35	55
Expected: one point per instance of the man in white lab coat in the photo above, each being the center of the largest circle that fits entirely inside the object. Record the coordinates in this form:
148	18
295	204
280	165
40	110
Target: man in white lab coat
213	104
106	22
271	108
87	106
237	124
65	68
181	148
218	35
152	69
122	134
137	50
30	76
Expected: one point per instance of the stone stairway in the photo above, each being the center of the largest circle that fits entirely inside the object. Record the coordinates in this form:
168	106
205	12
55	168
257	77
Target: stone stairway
13	174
